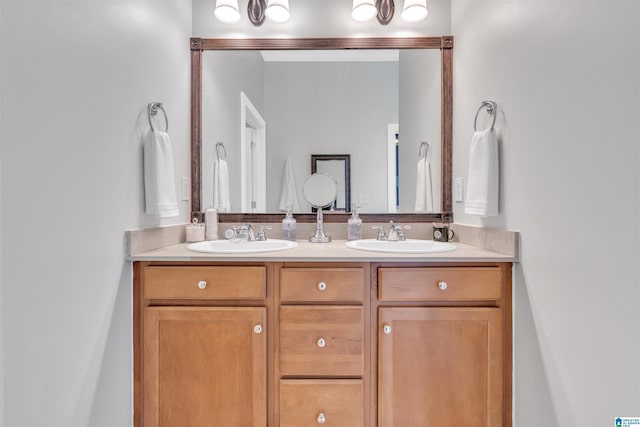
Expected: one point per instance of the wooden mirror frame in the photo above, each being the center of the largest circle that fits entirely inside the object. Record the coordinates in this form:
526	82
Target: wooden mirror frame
444	43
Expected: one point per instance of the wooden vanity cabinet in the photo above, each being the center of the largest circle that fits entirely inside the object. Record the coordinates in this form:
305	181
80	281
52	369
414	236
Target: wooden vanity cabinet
200	346
293	344
444	346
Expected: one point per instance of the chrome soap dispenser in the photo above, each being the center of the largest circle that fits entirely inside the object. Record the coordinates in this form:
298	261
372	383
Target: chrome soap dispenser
354	225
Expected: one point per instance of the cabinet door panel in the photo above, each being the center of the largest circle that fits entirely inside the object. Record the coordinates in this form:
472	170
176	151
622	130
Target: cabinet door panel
440	366
204	367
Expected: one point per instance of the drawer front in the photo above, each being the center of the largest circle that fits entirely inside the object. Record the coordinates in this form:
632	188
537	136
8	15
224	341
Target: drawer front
440	284
321	341
322	284
337	403
208	283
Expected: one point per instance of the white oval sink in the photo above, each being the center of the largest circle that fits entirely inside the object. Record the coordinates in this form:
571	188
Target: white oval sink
409	246
241	247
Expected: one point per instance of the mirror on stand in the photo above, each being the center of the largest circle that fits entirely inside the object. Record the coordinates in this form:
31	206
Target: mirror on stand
320	191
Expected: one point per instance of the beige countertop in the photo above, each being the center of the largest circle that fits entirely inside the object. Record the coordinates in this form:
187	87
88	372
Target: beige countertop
336	251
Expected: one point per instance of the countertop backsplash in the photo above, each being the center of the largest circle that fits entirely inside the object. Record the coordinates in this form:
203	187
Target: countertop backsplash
500	241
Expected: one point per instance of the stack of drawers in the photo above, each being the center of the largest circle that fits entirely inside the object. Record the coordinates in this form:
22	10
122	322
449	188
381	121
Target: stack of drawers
321	346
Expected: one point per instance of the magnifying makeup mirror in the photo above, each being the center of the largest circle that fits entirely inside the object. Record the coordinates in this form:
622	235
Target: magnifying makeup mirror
320	191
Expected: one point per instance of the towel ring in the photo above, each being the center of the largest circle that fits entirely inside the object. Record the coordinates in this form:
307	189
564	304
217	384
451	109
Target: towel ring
152	110
492	108
220	145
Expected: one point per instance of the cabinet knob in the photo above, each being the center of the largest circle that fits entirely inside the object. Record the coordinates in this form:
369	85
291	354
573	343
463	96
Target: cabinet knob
321	418
443	286
321	343
386	329
257	329
322	286
202	284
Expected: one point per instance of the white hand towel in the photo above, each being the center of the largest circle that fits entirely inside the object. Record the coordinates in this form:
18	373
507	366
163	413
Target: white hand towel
482	181
221	195
159	182
424	190
288	195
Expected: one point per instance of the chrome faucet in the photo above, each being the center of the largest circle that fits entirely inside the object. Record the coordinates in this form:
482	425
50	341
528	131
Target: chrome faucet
241	233
395	233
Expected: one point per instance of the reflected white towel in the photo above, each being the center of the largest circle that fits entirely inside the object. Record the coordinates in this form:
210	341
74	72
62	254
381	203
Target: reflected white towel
424	190
288	195
159	182
221	196
482	181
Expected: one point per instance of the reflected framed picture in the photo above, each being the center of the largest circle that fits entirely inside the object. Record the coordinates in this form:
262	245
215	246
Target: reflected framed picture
337	166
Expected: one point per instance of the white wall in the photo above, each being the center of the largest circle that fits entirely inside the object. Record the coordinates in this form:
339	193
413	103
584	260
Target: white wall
76	78
565	75
224	76
330	108
420	120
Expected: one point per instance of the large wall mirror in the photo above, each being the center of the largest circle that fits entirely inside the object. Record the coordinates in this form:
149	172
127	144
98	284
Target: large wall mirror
275	103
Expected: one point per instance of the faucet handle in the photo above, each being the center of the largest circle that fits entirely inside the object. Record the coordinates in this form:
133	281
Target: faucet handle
262	236
396	231
400	231
381	233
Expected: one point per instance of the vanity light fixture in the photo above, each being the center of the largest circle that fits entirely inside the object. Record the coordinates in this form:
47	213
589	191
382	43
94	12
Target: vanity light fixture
386	9
255	10
363	10
414	10
383	10
227	11
278	10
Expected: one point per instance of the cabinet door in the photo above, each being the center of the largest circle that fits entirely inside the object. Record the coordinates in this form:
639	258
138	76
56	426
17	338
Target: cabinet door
204	367
440	367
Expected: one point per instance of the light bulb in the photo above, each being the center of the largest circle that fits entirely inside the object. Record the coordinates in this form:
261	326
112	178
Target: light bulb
278	10
414	10
363	10
227	11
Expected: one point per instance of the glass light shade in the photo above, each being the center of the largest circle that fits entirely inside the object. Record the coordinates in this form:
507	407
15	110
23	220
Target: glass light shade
278	10
414	10
363	10
227	11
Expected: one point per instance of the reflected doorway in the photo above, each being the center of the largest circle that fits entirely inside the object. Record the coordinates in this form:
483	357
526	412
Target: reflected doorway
253	157
393	188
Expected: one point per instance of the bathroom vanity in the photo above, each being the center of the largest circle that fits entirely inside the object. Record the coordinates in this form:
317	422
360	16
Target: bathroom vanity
322	334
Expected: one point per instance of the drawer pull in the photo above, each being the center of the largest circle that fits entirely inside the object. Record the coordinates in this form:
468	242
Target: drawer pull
443	286
386	329
322	286
321	343
257	329
202	284
321	418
